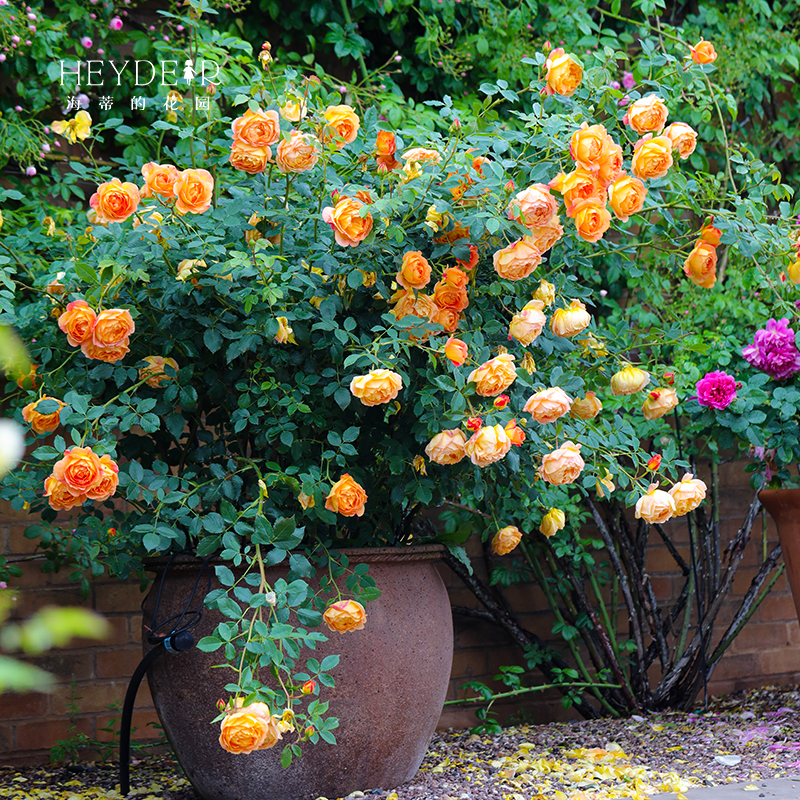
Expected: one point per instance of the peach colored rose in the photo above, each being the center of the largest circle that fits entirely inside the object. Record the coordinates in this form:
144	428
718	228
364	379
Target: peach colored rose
548	405
341	126
415	271
659	403
410	305
448	318
589	146
494	376
108	354
349	227
605	486
190	267
700	266
546	292
611	166
545	236
445	295
77	322
578	185
647	114
533	207
421	155
688	493
487	445
385	148
592	219
294	109
112	328
154	371
563	465
505	540
552	522
656	506
526	325
447	447
114	201
456	350
108	482
703	52
378	386
245	730
346	497
652	157
515	433
39	422
80	469
246	158
711	235
570	321
194	191
517	260
586	407
683	138
159	179
564	73
345	616
27	381
627	195
299	153
455	278
629	380
470	263
257	128
60	496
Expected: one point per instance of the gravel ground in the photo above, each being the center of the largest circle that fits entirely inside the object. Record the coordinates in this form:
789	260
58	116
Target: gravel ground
742	738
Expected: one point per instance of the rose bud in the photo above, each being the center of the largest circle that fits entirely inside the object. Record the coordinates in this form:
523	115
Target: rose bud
474	424
654	463
501	402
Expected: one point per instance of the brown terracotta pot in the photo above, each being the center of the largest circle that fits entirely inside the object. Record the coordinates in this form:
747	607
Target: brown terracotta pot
783	506
391	684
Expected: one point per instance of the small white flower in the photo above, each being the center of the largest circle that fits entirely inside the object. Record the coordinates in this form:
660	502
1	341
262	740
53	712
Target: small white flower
272	598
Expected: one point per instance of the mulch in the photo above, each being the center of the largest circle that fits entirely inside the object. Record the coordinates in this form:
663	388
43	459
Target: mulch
746	737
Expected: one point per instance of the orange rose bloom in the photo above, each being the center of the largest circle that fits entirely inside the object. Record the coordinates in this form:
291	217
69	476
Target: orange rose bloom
386	147
39	422
656	506
456	351
108	482
245	730
113	328
563	465
548	405
455	277
80	470
407	305
194	190
346	497
517	260
345	616
627	196
505	540
60	496
299	153
445	295
592	219
700	266
487	445
114	201
378	386
578	185
415	271
586	407
527	324
494	376
108	354
683	138
711	235
652	157
447	447
646	114
703	52
564	73
515	433
473	259
611	166
567	322
349	227
589	146
448	318
688	493
249	159
77	322
341	126
533	207
158	179
154	371
544	237
26	381
552	522
257	128
629	380
659	403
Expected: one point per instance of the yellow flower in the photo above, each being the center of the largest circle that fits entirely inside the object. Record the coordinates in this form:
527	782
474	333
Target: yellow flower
419	465
629	380
305	500
528	364
605	485
285	333
546	293
49	225
436	219
552	522
78	128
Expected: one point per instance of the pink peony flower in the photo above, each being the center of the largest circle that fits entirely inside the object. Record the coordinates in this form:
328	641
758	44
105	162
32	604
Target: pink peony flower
774	350
716	390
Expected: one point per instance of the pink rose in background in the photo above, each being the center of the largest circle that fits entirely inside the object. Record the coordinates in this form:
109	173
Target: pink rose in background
716	390
774	351
628	81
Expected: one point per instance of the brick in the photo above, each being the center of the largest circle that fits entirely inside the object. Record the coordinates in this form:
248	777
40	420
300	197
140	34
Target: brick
117	597
659	559
735	666
6	739
66	665
31	600
143	721
474	633
90	697
777	607
135	623
118	634
794	632
8	513
756	637
43	734
4	530
781	661
17	543
117	663
31	578
468	665
23	706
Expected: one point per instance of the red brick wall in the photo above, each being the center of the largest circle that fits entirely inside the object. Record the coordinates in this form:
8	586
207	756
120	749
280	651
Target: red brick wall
767	651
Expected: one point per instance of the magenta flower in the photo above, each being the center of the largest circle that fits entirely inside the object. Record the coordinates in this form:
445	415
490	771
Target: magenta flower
115	24
716	390
774	350
628	81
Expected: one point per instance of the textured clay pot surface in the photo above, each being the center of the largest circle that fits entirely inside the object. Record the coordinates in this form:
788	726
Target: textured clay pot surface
784	507
391	684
